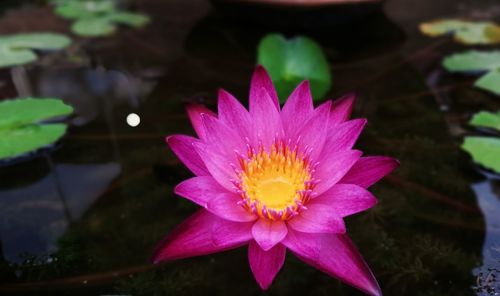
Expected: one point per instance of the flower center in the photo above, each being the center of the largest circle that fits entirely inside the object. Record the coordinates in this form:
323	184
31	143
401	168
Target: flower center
275	184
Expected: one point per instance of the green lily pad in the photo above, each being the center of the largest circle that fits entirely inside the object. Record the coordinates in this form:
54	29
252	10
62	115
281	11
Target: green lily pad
464	31
291	61
484	150
135	20
486	119
91	27
20	127
18	49
84	9
478	62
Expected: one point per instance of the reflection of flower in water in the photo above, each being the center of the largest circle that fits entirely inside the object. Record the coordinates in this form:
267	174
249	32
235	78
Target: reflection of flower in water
276	180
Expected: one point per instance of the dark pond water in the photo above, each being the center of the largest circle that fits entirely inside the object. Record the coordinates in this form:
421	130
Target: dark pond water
84	217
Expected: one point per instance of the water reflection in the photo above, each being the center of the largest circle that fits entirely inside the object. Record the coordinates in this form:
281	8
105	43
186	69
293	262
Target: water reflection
488	196
34	217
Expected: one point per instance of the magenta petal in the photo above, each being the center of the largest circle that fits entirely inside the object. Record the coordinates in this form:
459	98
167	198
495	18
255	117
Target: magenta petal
218	165
368	170
343	136
345	199
200	190
226	206
261	84
234	115
339	258
342	109
195	237
332	167
195	113
303	243
297	109
317	218
268	233
267	121
223	139
312	134
182	146
265	264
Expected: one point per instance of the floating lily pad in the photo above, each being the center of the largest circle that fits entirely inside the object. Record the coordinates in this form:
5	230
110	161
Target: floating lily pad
478	62
484	150
106	24
291	61
84	9
18	49
21	130
93	27
97	18
486	119
464	31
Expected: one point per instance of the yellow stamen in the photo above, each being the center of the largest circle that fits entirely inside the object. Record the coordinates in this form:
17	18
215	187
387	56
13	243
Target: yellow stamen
275	184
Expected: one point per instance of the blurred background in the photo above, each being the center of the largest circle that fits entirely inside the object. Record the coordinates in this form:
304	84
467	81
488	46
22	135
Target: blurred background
81	215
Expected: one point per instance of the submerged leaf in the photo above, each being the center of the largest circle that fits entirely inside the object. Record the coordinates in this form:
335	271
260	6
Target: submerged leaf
484	150
464	31
18	49
20	127
478	62
486	119
291	61
135	20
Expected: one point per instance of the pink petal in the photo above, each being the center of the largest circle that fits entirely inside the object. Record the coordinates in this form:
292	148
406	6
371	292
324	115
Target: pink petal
223	139
297	109
199	190
267	120
265	264
368	170
234	115
317	218
218	165
268	233
345	199
195	112
195	237
332	167
342	109
261	84
343	136
313	132
338	258
182	146
226	206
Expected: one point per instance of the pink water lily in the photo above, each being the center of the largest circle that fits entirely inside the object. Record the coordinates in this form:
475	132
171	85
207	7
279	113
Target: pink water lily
274	179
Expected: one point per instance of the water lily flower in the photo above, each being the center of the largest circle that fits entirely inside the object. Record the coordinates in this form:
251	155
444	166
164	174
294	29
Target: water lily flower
275	179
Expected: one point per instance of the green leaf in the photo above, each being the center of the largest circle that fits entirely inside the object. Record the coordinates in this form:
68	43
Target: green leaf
486	119
92	27
490	81
18	49
484	150
291	61
478	62
84	9
464	31
9	57
135	20
35	41
473	61
20	127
